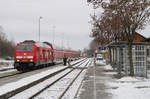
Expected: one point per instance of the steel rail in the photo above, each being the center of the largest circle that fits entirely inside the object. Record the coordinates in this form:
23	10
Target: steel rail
14	73
33	96
5	69
72	82
18	90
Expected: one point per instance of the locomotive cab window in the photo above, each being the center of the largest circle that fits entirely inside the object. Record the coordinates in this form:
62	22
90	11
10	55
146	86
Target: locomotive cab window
25	48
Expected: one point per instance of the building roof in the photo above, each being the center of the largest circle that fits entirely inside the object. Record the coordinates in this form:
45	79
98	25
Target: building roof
141	35
123	43
147	40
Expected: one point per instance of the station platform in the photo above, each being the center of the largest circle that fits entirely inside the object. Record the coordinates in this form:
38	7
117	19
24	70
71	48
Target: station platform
94	85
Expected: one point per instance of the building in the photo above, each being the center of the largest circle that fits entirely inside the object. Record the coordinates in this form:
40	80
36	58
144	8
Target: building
148	52
119	58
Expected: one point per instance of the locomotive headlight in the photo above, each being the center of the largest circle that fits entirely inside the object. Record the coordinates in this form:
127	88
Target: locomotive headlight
29	56
31	60
18	60
18	57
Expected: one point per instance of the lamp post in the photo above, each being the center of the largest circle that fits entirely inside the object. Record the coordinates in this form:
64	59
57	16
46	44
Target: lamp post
39	26
54	33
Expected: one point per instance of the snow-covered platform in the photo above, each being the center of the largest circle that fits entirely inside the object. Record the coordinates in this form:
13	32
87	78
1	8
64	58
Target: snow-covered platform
100	83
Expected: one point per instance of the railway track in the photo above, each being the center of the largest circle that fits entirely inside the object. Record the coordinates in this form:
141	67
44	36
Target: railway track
15	72
4	95
51	83
9	74
64	95
6	69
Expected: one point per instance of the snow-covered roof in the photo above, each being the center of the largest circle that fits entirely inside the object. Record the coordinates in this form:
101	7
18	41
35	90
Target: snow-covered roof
123	43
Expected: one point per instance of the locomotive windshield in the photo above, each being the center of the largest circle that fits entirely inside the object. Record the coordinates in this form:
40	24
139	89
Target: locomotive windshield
25	48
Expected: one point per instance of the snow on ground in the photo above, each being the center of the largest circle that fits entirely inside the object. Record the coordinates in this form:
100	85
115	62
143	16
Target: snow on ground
130	79
80	63
100	62
85	63
59	87
73	62
71	93
124	88
6	67
6	64
33	90
108	67
8	71
130	88
12	86
92	63
56	89
8	61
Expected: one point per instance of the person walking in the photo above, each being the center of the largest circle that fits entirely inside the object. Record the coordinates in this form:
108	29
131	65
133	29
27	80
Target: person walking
65	59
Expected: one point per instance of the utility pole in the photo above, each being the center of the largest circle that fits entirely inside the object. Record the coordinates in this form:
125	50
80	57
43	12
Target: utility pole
39	26
62	42
54	34
68	40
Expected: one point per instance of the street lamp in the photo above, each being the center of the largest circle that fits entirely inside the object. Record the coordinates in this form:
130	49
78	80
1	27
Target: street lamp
39	26
54	34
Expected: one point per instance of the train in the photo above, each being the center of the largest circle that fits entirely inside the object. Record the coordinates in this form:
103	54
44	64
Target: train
30	54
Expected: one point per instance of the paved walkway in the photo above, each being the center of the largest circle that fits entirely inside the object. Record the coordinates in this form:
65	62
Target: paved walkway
97	89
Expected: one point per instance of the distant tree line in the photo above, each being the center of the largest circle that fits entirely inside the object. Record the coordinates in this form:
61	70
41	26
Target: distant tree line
7	47
91	49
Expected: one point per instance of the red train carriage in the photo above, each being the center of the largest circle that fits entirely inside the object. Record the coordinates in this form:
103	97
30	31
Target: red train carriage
73	55
57	53
31	54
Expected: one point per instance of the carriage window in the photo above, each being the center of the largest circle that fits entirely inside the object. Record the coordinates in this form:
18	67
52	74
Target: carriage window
25	48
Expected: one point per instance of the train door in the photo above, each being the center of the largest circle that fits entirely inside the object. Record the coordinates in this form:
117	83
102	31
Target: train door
41	54
49	56
54	56
38	55
44	56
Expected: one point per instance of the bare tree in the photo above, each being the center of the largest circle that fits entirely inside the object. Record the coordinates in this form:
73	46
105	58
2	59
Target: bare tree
125	17
7	48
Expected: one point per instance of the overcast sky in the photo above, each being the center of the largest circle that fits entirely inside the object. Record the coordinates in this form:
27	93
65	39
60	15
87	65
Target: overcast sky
19	18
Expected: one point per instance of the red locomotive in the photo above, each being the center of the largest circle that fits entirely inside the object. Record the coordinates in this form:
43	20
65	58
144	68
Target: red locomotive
30	54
